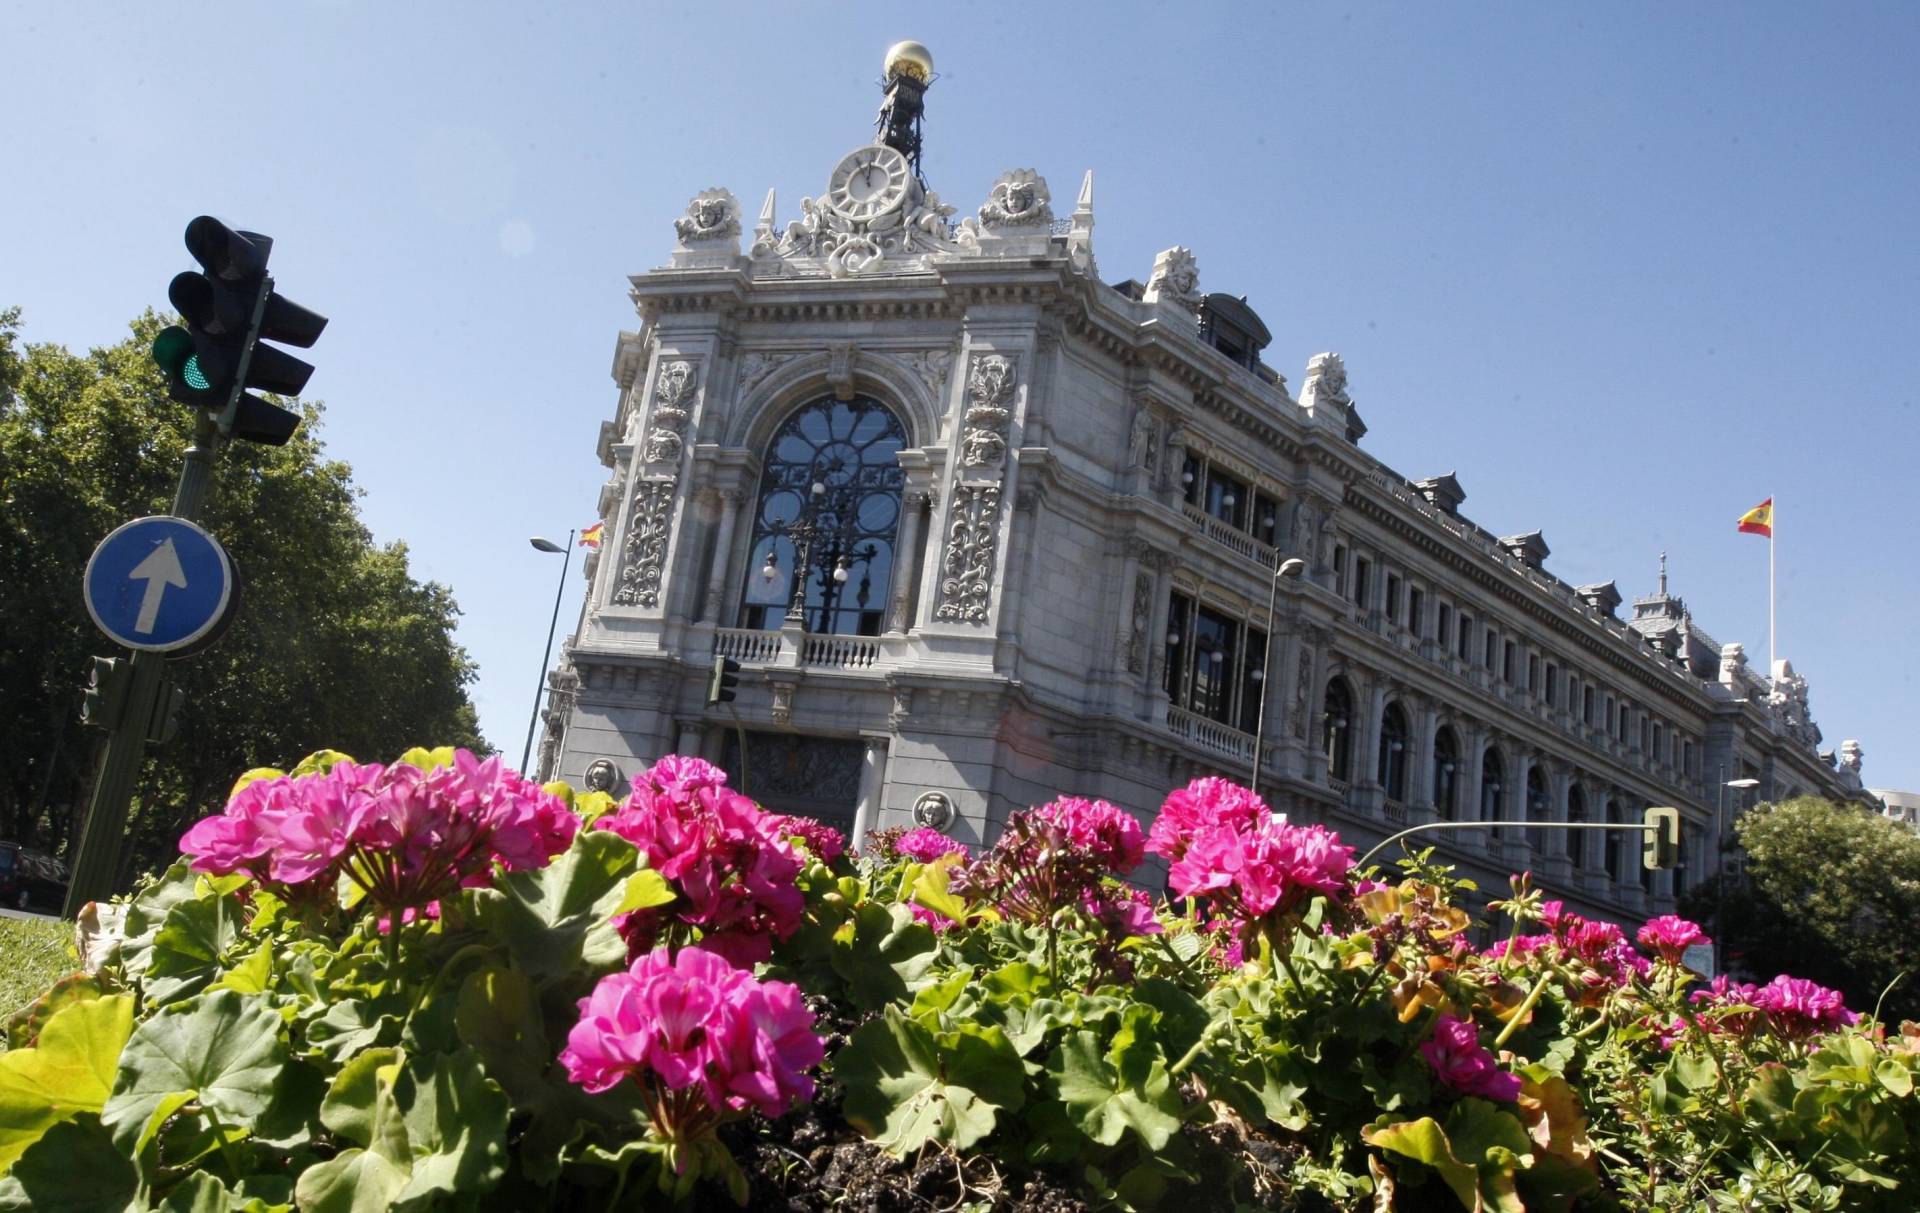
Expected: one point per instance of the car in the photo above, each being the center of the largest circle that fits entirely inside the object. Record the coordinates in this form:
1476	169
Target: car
29	876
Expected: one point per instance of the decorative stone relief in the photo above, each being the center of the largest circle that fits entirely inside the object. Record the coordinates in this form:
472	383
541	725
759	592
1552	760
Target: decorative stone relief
601	775
1302	691
755	367
1142	615
966	587
902	706
1020	198
932	368
645	553
1733	662
672	398
1326	383
840	368
989	398
933	811
1175	279
1140	437
712	215
846	246
782	709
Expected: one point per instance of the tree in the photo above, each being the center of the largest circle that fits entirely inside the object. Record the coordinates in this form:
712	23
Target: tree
336	645
1830	893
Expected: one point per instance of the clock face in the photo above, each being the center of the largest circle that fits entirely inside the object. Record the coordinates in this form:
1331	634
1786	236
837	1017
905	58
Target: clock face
869	182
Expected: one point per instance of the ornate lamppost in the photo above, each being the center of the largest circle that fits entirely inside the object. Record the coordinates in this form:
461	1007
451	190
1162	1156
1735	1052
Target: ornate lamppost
824	542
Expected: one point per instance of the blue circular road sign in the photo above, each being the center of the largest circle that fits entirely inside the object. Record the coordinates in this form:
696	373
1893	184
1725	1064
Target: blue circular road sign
158	583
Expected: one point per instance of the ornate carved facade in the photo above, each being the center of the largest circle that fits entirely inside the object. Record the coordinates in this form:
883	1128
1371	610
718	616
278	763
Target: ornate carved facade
903	632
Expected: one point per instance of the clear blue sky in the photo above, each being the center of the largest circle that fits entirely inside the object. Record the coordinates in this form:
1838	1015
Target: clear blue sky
1627	269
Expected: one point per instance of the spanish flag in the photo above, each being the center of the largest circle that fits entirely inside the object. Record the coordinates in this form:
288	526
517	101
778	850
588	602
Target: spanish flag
1758	520
590	538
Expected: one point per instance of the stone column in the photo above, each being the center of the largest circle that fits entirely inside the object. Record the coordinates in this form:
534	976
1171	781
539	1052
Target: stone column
730	500
1557	864
1156	663
1420	769
1467	787
692	737
1123	638
873	780
1373	704
906	560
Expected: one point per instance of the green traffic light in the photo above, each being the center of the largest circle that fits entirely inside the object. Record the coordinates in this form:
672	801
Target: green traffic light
190	372
173	350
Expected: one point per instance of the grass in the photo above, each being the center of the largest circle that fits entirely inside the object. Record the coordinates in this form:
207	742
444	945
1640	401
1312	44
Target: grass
34	953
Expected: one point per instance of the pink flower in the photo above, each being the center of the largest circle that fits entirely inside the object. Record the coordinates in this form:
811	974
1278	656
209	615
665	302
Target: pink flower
1268	870
1122	911
924	845
1106	830
1458	1061
1670	935
1203	805
1797	1007
695	1022
821	840
732	865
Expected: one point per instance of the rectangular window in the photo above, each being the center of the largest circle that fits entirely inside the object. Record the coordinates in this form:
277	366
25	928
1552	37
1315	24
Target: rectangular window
1340	567
1216	665
1443	626
1362	570
1179	637
1266	520
1416	612
1226	499
1465	642
1551	688
1393	599
1190	480
1491	653
1506	663
1533	672
1253	680
1586	705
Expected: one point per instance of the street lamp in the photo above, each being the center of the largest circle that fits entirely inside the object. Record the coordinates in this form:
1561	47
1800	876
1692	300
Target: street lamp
1293	566
1720	867
566	556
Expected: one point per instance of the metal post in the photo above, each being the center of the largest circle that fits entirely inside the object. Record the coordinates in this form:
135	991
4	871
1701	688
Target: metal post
1290	567
546	654
1639	827
96	864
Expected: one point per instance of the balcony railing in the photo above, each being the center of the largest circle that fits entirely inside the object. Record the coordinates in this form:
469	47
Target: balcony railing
840	652
748	646
1230	537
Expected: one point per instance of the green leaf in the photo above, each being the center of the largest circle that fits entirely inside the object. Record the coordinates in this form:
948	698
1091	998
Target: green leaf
75	1168
1895	1077
907	1085
68	1072
25	1025
355	1181
349	1107
349	1026
930	887
199	1192
321	761
1424	1141
1478	1129
1110	1092
942	995
188	949
555	920
224	1048
1696	1071
883	955
456	1123
644	890
252	975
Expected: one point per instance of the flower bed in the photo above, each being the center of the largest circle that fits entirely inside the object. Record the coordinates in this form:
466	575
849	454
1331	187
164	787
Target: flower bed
434	983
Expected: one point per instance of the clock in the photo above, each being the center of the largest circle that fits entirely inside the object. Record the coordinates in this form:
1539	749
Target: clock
869	182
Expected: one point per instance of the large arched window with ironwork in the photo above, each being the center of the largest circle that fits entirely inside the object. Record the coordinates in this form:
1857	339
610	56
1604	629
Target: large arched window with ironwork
825	520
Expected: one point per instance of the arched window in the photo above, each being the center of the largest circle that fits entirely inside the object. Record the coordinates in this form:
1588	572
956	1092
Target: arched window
828	510
1337	729
1614	842
1577	839
1392	766
1538	807
1446	774
1493	775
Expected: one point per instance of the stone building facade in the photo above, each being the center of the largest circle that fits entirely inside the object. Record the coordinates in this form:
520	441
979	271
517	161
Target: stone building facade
983	527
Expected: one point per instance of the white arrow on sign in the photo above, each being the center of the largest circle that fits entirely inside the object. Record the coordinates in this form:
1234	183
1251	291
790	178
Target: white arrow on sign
159	570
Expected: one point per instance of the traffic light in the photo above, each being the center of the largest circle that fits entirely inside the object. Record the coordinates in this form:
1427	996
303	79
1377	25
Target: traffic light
723	682
166	714
105	696
1660	847
230	309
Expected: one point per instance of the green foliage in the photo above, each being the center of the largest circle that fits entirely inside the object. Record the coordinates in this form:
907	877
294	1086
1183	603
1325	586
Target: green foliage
1830	893
88	441
38	952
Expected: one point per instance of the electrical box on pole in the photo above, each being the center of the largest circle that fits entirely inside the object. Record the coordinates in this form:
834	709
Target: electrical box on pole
1661	845
723	681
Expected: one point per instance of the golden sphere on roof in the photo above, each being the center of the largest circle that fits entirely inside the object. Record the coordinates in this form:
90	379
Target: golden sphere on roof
910	59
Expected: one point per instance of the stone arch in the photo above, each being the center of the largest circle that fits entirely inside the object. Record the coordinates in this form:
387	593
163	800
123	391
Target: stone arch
1395	750
1337	718
757	412
1447	773
1493	779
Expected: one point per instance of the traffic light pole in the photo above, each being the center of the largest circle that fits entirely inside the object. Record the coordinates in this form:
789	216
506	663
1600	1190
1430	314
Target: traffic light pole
96	865
1637	827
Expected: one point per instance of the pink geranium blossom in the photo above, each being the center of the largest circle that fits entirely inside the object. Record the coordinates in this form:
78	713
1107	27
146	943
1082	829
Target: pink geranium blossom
732	866
925	844
406	836
1670	935
1269	870
1797	1007
821	840
1203	805
702	1039
1459	1062
1109	832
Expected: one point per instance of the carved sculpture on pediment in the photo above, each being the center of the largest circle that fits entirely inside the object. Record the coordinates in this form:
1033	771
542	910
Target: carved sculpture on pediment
643	556
990	383
1326	382
672	402
966	584
1733	662
1020	198
846	246
1176	449
1302	690
781	709
1140	438
1175	278
712	215
902	707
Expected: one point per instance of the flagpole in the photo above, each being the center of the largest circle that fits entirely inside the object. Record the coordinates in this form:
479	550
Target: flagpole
1773	519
